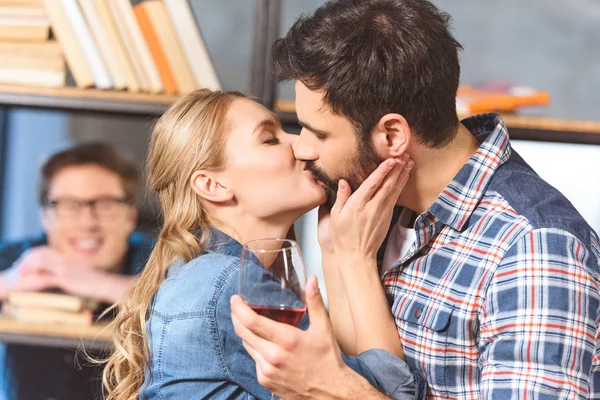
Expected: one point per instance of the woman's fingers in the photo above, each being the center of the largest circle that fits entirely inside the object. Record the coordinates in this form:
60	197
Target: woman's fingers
392	186
343	194
367	189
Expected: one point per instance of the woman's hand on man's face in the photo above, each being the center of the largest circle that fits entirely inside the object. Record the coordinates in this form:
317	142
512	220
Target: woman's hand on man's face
360	220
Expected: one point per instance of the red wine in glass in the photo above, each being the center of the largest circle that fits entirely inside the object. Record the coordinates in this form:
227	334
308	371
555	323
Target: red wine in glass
290	316
272	280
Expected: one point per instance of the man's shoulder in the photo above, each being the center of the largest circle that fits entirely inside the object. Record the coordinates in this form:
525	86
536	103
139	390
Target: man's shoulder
536	201
11	250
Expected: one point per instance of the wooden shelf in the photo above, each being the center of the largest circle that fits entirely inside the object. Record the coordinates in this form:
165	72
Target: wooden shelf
520	127
95	337
143	104
87	100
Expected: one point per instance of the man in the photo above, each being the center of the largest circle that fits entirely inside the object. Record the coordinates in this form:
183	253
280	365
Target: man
89	248
496	294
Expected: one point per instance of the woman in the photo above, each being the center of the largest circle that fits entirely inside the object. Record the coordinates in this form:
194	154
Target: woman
225	174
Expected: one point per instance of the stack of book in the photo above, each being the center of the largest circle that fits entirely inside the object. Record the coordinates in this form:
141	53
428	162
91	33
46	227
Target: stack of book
27	55
498	96
485	97
49	308
153	47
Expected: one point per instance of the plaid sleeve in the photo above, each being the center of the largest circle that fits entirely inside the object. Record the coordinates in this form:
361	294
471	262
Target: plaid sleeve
539	320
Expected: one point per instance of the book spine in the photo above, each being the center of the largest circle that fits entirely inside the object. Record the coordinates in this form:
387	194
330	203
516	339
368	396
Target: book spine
20	76
194	47
90	50
70	46
100	36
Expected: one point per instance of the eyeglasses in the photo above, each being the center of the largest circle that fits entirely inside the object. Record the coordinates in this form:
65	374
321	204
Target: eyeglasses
101	207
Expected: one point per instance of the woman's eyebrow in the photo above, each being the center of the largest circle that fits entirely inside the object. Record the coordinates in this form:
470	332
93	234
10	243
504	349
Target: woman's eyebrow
266	123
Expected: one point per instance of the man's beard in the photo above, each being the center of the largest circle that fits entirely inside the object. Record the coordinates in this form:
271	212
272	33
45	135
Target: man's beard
359	168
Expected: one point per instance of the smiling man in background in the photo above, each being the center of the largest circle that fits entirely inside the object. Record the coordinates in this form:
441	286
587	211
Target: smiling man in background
89	248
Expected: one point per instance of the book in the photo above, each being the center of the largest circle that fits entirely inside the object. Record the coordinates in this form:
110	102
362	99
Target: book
33	77
87	43
50	48
15	11
170	44
156	50
102	40
131	35
497	96
24	29
133	54
488	97
32	61
116	45
21	3
71	48
58	301
193	44
48	316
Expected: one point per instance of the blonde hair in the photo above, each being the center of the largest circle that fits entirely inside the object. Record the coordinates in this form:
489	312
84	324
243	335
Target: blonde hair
190	136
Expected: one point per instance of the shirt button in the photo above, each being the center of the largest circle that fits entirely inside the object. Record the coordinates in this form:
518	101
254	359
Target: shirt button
418	313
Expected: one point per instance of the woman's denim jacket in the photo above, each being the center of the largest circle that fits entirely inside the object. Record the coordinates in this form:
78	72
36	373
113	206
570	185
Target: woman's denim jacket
195	353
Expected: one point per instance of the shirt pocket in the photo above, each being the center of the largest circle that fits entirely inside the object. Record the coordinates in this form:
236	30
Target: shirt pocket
423	326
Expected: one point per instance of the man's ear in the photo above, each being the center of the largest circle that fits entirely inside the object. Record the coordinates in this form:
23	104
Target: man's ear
391	136
210	186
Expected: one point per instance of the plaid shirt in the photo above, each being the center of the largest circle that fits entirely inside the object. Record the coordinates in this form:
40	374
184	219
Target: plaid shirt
498	298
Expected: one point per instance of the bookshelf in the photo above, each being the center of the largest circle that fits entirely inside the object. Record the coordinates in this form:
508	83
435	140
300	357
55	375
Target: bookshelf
84	100
520	127
137	104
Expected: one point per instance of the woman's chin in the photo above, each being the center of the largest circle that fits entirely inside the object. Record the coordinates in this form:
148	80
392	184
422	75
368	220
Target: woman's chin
311	204
320	197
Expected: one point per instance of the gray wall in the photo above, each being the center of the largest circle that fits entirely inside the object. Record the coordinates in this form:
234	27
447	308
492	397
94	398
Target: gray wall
553	45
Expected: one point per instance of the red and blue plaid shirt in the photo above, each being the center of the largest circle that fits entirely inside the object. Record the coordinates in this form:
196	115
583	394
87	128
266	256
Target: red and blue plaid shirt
499	296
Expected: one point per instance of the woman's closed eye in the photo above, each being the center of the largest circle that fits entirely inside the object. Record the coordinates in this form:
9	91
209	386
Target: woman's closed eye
272	141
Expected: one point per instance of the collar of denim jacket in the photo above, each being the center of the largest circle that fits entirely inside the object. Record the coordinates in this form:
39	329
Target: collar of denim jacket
220	242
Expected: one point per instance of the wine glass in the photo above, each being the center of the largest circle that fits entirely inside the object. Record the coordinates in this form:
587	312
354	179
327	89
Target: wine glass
273	279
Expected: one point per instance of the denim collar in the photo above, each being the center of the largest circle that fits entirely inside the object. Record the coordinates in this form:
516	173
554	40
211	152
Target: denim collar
222	243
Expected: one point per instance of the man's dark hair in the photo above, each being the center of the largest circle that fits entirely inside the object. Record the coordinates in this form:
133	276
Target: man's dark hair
91	153
373	57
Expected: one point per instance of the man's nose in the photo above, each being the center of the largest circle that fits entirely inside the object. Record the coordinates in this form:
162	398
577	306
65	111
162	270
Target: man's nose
304	149
88	217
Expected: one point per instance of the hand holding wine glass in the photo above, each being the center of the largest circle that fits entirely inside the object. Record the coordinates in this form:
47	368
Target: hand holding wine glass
273	280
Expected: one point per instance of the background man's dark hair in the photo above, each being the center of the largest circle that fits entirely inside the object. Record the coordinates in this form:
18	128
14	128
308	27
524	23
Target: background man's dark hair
92	153
373	57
